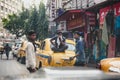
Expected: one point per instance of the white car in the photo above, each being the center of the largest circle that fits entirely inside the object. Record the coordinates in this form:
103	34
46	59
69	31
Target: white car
15	48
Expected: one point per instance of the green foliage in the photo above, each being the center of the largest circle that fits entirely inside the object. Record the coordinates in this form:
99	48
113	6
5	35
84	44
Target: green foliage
33	19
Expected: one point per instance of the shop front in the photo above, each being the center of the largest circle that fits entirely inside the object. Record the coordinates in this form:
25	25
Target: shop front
110	25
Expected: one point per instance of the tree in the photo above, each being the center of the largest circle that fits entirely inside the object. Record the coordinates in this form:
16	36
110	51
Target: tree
16	24
38	21
33	19
43	22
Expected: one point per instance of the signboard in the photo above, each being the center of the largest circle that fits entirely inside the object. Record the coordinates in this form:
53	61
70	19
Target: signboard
75	23
105	10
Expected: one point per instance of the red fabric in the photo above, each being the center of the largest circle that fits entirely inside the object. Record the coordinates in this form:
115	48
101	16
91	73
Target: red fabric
103	13
111	48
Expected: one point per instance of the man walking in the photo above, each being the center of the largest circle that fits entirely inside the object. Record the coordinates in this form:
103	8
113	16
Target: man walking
7	50
31	52
80	54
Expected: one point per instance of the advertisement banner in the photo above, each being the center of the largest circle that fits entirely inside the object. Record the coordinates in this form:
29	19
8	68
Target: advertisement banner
105	10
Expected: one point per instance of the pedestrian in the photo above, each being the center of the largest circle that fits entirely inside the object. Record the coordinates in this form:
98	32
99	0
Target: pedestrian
31	52
7	49
80	53
58	42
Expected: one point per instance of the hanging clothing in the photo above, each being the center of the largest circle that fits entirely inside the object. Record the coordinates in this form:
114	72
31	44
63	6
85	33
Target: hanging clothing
117	26
117	33
110	22
104	42
111	47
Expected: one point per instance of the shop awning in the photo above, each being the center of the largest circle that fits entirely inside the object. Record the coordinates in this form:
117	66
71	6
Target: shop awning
67	14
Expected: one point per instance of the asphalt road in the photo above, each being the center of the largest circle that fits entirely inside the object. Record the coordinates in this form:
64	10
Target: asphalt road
12	70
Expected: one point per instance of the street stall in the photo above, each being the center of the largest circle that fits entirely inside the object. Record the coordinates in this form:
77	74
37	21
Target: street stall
80	20
109	23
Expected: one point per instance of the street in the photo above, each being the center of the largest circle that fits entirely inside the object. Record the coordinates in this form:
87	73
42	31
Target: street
12	70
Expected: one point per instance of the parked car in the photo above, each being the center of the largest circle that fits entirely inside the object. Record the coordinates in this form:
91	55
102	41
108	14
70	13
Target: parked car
46	57
15	49
110	65
49	58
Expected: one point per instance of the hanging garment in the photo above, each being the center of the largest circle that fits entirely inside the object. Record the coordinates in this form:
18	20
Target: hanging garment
104	41
110	21
111	47
95	52
117	26
117	33
105	33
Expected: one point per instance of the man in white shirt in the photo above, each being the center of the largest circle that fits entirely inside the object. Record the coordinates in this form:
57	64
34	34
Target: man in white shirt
31	52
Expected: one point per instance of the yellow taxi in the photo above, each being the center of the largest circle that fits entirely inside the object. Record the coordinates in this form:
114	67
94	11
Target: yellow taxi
110	65
21	52
48	58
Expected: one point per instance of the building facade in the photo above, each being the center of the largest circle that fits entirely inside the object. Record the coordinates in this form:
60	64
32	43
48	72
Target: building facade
54	9
9	7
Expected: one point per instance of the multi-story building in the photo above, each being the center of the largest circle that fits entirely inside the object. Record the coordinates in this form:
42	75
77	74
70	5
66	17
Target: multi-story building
9	7
54	9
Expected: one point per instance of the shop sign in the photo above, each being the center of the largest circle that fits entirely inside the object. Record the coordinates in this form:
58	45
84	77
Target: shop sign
75	23
105	10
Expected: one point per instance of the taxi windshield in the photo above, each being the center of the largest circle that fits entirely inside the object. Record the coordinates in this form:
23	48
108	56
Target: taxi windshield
71	47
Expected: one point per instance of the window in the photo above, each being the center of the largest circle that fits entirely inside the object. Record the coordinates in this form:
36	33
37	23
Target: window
43	45
6	9
71	47
1	7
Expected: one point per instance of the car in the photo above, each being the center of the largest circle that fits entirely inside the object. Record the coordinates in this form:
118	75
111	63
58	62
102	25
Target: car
110	64
15	49
56	59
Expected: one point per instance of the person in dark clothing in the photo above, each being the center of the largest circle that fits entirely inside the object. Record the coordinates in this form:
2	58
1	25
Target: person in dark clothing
7	49
59	43
80	54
